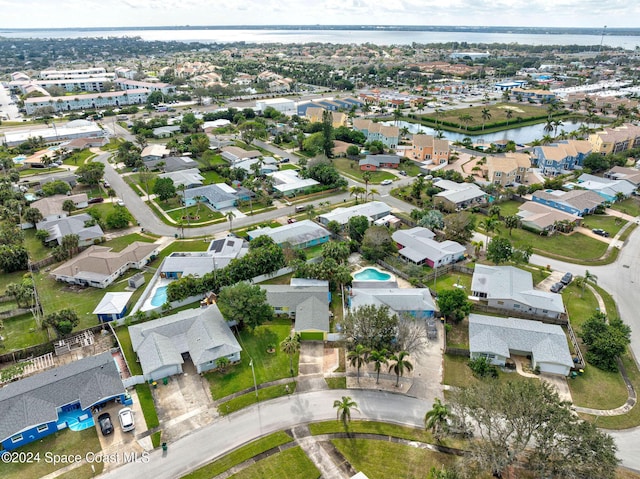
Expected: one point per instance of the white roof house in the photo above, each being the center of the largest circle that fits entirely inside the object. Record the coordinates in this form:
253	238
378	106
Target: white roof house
418	246
605	187
198	263
372	211
72	225
459	195
414	301
511	288
498	338
300	234
288	181
189	178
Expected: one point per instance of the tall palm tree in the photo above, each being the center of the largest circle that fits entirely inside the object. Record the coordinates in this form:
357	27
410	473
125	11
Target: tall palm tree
378	358
358	357
590	278
486	115
509	114
290	345
477	247
373	192
400	365
230	215
489	225
436	419
357	191
343	409
366	177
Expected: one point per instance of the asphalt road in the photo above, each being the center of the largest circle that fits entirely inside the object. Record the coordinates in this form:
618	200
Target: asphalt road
226	434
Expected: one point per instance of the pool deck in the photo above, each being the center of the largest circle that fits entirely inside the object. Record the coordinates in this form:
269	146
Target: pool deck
147	306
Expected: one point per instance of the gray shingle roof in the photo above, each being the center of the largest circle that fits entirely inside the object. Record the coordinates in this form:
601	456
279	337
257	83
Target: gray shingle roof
312	314
201	332
213	193
285	296
34	400
294	233
71	225
419	245
398	299
546	342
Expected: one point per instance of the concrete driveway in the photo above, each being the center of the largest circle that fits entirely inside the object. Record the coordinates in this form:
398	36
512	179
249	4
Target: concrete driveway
554	277
310	366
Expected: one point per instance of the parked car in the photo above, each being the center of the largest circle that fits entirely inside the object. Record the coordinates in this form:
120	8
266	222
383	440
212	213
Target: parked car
97	199
566	279
600	232
291	220
106	184
126	419
402	172
386	182
106	426
120	202
557	287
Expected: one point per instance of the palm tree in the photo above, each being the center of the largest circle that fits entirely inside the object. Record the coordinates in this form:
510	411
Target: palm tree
489	225
556	125
397	114
486	115
357	191
548	126
373	192
344	408
436	419
620	196
366	177
230	215
358	357
401	364
466	119
509	114
378	358
477	247
511	222
590	278
290	345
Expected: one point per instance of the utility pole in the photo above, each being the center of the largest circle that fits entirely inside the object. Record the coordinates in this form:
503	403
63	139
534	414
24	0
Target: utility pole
602	39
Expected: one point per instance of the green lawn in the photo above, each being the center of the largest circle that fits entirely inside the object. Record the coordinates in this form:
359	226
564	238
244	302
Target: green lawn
508	208
382	460
374	427
148	407
65	442
292	464
209	158
458	334
610	224
457	373
198	213
336	383
630	206
313	251
598	389
288	166
239	455
121	242
212	177
411	167
127	349
78	158
184	245
170	204
268	366
8	278
350	168
37	250
21	332
446	281
573	248
580	305
248	399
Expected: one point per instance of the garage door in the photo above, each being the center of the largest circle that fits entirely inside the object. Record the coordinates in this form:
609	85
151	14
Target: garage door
165	372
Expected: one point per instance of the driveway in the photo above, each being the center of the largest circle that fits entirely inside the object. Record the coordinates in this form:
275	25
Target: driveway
554	277
310	366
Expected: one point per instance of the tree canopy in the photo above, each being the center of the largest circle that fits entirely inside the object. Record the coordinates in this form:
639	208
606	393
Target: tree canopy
245	303
453	304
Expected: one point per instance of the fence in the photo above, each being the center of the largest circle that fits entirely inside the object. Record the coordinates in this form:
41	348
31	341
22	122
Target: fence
38	265
14	312
563	320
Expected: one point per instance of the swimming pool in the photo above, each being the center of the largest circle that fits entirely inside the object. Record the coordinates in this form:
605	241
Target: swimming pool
159	296
19	159
372	274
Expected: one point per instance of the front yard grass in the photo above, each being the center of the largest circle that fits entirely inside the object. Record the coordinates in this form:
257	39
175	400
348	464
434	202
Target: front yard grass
457	373
574	248
383	428
611	224
148	407
121	242
198	214
336	383
248	399
240	455
598	389
508	208
350	168
211	177
66	442
630	206
292	464
580	304
268	366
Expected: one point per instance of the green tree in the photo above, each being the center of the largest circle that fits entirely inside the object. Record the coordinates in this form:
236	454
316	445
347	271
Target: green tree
245	303
377	243
511	222
453	304
372	326
32	215
459	226
400	365
68	206
357	191
290	345
357	227
90	173
63	321
605	341
222	364
56	187
250	130
164	189
70	244
432	219
230	215
378	358
13	258
327	133
486	115
343	409
499	250
358	357
437	419
334	227
353	151
118	218
366	177
338	251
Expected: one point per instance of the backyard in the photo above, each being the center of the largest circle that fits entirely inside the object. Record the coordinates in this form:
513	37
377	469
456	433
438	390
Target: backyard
350	168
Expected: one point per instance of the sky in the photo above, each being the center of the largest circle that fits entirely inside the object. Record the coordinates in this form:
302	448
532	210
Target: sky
128	13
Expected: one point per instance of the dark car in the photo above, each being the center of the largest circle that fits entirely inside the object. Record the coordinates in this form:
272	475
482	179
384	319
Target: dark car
106	426
600	232
566	279
557	287
98	199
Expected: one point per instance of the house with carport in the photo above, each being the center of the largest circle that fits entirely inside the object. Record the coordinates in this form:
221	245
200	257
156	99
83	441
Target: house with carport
200	335
497	339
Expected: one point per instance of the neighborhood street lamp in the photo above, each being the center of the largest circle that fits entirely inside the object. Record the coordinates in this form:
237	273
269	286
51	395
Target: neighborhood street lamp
253	371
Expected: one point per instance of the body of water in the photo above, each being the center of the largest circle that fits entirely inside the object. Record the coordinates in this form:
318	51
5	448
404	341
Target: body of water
521	136
386	37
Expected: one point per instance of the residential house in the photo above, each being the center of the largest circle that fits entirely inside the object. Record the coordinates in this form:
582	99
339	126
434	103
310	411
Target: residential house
388	135
83	143
234	154
541	217
154	152
219	196
497	339
98	266
265	165
372	210
416	302
615	140
509	169
73	225
172	163
632	175
576	202
375	162
511	289
561	157
418	246
289	183
305	298
51	206
59	398
112	306
430	149
166	131
458	196
301	234
202	335
198	263
607	188
189	178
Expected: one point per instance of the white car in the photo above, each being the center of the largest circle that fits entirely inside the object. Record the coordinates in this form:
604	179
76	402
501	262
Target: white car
386	182
126	419
120	202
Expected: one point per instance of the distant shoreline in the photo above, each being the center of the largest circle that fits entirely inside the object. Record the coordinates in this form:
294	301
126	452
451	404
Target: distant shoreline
379	28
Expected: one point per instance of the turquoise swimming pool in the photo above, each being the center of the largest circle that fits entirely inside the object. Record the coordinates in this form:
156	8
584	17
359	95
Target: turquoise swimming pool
159	297
372	274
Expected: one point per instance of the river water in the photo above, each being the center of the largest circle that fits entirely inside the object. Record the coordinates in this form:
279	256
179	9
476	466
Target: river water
520	136
387	37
